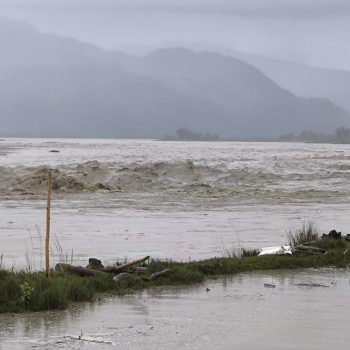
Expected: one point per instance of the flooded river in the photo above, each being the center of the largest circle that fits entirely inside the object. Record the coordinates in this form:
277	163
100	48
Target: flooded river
183	200
117	199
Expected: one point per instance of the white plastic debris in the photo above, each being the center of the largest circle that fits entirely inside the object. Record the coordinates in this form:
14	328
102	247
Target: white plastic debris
281	250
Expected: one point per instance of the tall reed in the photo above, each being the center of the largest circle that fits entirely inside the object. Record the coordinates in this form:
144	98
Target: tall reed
308	232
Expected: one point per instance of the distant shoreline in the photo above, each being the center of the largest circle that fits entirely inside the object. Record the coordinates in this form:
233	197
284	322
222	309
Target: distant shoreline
174	139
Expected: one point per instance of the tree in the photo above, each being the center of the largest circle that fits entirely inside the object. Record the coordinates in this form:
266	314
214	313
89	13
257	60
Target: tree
343	133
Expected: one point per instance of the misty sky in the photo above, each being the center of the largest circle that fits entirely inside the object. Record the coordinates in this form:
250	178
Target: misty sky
311	31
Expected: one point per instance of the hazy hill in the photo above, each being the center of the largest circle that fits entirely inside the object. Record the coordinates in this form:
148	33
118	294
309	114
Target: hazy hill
22	45
53	86
304	80
96	102
254	100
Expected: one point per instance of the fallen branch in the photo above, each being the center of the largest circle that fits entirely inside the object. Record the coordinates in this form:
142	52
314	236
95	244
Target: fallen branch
308	248
311	284
81	271
309	243
89	339
118	268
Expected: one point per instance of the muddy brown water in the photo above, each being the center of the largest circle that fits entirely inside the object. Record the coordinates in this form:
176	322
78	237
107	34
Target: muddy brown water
179	200
238	312
116	233
184	201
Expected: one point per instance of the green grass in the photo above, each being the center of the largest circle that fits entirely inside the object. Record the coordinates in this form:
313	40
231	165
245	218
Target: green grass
238	253
308	232
25	291
332	244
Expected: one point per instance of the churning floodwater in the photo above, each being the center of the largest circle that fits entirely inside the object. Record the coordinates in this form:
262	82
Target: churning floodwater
117	199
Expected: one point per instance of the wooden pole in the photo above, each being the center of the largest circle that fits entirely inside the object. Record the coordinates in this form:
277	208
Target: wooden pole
48	217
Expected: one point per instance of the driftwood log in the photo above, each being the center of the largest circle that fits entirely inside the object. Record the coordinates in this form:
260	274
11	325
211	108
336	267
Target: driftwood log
311	284
118	268
88	271
81	271
310	249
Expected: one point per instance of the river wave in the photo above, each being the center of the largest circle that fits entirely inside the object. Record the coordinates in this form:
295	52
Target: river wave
181	178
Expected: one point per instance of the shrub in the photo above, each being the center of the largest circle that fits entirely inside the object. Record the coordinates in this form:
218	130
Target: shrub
307	233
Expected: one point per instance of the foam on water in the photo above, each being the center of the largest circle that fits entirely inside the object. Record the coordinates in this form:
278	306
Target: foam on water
233	172
180	199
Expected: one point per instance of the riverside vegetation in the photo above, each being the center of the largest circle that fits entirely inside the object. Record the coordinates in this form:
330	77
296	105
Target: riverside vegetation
32	291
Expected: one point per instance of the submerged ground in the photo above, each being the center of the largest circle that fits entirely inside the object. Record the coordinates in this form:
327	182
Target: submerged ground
238	312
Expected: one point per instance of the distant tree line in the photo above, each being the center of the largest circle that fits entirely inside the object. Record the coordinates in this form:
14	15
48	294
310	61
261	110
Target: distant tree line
341	135
184	134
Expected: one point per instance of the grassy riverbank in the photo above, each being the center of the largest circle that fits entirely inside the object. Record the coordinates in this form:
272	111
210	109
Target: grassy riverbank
21	291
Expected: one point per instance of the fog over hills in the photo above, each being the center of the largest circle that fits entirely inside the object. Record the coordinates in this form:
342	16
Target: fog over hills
304	80
254	100
300	79
53	86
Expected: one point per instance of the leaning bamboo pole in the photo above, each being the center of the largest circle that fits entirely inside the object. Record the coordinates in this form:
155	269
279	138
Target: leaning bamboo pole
48	218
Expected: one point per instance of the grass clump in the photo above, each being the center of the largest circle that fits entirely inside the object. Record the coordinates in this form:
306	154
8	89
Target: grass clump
331	244
239	253
23	291
249	252
307	233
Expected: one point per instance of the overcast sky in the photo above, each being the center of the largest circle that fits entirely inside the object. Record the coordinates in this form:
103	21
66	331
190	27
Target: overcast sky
310	31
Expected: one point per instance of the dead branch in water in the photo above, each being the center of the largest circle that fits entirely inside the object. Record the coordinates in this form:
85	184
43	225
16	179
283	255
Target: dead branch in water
310	249
311	284
81	271
87	271
118	268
